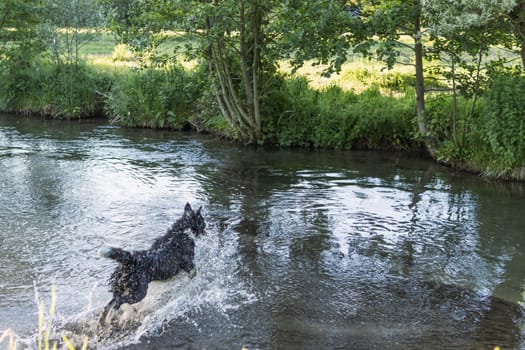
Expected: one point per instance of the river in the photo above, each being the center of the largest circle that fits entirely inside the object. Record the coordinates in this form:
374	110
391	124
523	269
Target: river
303	250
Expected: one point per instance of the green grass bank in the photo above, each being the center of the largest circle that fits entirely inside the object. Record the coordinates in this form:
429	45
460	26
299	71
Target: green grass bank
362	107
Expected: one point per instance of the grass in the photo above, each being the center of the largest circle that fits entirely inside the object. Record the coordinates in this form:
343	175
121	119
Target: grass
115	84
44	330
357	74
103	50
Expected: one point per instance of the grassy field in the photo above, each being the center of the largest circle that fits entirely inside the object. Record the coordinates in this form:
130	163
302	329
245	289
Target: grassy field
357	74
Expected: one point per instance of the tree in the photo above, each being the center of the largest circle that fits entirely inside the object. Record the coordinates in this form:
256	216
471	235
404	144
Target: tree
428	30
18	20
66	25
241	41
378	29
368	27
235	49
229	37
516	20
462	33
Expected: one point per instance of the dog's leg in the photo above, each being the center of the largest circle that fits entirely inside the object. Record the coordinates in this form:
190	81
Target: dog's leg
104	314
135	295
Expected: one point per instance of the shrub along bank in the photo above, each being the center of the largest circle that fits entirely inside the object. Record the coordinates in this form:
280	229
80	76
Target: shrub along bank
486	137
60	91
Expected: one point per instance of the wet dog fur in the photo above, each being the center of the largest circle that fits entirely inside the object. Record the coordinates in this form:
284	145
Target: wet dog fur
169	254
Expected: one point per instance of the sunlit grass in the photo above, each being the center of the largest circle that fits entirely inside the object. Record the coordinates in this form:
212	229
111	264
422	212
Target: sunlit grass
11	337
357	74
104	51
45	325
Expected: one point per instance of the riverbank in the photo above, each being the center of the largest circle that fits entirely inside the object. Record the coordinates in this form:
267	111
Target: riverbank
362	107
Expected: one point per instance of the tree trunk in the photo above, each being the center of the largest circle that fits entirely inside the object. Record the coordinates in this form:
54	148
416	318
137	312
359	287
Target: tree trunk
239	103
518	17
227	94
422	120
521	42
257	23
247	41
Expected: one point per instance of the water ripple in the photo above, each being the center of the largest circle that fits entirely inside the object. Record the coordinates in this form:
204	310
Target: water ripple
304	249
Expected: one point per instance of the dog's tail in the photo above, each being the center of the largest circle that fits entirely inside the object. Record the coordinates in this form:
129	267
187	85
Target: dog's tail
117	254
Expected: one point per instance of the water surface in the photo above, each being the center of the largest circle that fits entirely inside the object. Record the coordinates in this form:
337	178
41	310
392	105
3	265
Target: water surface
326	249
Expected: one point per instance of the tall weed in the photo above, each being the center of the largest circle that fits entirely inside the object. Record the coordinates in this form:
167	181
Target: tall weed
502	123
152	97
290	112
57	90
45	330
74	91
334	118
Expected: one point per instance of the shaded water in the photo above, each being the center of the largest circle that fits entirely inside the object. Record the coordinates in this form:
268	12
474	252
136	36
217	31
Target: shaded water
304	249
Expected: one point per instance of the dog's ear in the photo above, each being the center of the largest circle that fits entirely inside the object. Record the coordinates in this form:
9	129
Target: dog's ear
187	207
199	211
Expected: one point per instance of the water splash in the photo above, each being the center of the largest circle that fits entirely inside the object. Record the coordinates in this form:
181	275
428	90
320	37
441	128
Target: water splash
214	285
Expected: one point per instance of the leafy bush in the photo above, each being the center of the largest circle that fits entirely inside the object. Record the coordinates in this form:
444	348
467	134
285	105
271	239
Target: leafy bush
17	75
384	121
334	125
502	123
334	118
57	90
156	98
74	90
290	111
396	81
122	53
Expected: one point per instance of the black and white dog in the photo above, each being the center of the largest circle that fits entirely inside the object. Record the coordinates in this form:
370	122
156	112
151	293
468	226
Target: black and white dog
168	255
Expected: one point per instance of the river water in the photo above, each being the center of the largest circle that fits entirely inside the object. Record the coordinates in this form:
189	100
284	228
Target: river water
304	250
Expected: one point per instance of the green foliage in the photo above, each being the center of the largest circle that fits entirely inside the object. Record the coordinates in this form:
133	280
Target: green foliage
448	18
329	24
291	119
64	88
397	81
140	23
16	75
18	46
66	25
381	26
443	115
122	53
72	90
333	118
502	124
451	125
385	121
60	91
154	97
489	138
18	21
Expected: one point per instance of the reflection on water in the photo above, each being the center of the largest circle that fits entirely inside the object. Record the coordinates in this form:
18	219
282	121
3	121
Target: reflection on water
304	249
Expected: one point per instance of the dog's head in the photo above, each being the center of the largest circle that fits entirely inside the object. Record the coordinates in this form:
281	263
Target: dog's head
195	220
